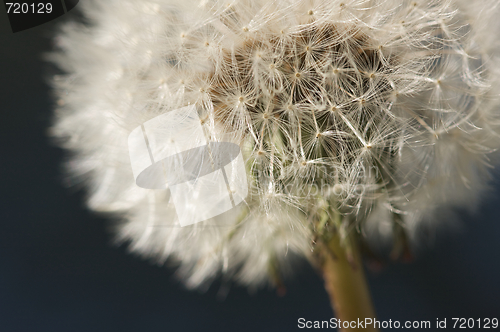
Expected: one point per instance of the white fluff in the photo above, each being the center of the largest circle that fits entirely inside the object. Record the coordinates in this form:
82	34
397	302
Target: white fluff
374	108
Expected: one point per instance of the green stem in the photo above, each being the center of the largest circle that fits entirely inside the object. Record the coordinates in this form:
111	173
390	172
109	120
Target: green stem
345	282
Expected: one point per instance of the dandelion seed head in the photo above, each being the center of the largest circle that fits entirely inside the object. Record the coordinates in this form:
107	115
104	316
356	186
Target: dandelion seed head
383	111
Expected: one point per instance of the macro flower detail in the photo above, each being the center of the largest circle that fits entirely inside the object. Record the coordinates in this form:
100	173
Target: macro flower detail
362	120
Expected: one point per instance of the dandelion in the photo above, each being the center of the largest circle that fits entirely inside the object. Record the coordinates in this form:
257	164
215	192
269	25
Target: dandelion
360	121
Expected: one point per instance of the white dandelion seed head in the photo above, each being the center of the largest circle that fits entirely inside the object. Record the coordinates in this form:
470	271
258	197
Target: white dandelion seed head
384	111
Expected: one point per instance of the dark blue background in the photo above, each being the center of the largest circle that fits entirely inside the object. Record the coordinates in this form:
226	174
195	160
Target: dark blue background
60	272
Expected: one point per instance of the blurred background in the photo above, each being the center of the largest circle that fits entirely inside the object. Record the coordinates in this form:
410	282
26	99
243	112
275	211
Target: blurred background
59	270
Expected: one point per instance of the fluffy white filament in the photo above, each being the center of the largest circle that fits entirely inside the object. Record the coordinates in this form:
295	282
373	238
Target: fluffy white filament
382	110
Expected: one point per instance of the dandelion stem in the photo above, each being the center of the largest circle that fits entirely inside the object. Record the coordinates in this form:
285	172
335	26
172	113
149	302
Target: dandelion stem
345	282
